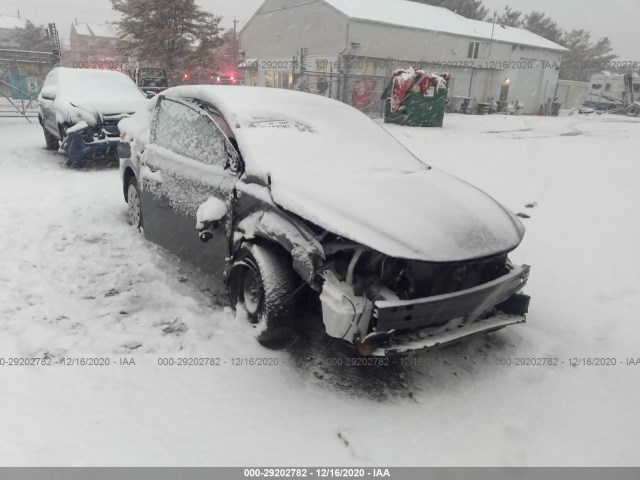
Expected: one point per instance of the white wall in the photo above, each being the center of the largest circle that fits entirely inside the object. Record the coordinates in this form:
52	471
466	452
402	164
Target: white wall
282	27
279	31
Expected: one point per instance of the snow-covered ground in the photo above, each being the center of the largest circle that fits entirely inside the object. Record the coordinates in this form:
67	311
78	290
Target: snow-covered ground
76	281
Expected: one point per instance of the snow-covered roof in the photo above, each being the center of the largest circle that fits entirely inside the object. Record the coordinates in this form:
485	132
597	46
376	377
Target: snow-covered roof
104	30
426	17
8	22
606	73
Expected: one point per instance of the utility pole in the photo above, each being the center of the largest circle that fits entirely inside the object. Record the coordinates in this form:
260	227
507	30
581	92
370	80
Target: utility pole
493	30
236	44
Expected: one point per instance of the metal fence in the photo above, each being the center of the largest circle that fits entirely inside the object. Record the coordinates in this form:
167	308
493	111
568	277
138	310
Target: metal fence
363	92
22	73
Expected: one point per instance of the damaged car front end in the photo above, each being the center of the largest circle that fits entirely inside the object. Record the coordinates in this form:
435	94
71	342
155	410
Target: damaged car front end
380	304
386	306
93	139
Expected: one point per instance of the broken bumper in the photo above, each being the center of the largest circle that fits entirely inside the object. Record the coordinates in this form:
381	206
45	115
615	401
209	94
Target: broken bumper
90	144
435	337
401	327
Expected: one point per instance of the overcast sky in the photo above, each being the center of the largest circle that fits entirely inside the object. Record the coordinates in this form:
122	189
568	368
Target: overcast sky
617	19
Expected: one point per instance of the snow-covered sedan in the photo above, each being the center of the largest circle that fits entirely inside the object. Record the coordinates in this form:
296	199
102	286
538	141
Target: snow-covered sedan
79	110
275	189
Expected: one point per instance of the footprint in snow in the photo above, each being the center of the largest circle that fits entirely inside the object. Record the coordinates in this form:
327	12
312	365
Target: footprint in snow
176	328
355	451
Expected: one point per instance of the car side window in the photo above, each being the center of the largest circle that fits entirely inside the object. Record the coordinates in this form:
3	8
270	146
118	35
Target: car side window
188	131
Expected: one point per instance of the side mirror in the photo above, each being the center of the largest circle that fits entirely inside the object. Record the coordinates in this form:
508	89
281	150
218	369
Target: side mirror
150	94
49	93
209	217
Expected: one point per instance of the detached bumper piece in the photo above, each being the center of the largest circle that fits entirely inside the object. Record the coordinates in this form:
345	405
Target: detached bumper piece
404	326
430	338
90	145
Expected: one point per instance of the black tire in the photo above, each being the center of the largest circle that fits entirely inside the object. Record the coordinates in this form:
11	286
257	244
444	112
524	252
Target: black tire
51	141
633	110
133	203
262	285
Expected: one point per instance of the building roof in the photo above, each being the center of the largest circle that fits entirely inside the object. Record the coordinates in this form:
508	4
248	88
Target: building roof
8	22
606	73
103	30
427	17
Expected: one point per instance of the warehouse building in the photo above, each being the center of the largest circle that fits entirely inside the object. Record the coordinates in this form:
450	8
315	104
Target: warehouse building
348	49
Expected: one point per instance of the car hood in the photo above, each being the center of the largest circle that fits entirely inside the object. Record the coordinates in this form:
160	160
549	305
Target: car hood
112	107
426	215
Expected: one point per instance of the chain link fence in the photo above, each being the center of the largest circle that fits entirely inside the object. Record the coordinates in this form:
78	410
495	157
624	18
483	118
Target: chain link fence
363	92
22	74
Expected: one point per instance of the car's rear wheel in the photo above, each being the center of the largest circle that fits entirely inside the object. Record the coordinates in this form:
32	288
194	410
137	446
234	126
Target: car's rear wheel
133	203
261	284
50	140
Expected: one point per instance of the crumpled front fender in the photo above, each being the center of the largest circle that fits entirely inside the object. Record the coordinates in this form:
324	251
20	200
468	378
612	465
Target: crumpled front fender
305	250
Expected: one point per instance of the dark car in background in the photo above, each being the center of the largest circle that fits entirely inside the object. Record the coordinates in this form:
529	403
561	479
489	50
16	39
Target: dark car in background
275	189
79	111
153	80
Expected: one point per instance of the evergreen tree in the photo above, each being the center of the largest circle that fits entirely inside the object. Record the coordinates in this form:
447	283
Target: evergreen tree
473	9
32	38
539	23
510	18
173	34
584	58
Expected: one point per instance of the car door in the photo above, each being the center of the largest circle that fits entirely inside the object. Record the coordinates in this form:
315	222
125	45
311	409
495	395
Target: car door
185	164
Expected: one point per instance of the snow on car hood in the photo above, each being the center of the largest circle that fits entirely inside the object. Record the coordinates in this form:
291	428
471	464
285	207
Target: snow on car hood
427	215
106	92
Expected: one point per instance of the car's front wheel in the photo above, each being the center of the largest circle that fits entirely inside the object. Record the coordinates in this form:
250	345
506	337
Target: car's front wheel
133	203
261	284
50	140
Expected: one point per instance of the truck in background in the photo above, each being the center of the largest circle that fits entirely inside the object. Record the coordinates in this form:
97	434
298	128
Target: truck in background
151	79
614	93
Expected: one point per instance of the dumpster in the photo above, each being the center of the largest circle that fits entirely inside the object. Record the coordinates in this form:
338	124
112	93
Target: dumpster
416	98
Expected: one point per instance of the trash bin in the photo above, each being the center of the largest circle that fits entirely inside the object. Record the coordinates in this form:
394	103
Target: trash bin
416	98
555	108
483	108
458	104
